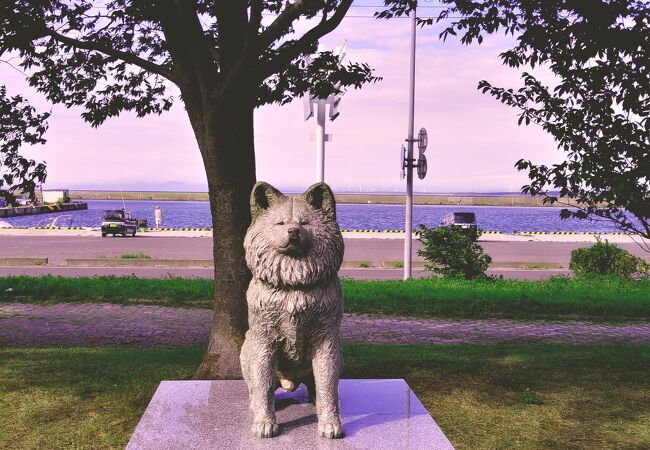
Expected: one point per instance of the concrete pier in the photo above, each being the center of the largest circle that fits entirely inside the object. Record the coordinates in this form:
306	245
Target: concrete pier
42	209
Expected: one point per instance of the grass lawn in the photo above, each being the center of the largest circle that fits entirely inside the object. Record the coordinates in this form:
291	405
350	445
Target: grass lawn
524	396
555	298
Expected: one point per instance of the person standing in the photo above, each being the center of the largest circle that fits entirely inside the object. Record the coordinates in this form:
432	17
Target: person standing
158	216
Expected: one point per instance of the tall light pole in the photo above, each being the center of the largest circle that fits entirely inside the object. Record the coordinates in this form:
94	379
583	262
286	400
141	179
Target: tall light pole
321	104
321	138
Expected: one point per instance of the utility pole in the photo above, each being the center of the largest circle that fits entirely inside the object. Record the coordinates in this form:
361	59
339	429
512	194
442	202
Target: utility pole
408	228
407	160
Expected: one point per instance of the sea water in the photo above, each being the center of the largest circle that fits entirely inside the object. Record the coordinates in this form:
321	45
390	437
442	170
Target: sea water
196	214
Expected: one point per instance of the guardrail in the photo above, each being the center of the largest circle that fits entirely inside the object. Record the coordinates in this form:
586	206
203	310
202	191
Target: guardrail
345	230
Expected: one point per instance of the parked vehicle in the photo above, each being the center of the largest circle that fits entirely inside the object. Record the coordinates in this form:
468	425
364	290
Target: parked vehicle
459	219
118	221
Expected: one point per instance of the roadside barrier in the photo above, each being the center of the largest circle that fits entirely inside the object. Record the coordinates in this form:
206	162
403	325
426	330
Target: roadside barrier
402	231
569	232
53	228
150	230
344	230
360	231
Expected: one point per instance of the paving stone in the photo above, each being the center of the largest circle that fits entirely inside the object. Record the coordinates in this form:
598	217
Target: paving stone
28	325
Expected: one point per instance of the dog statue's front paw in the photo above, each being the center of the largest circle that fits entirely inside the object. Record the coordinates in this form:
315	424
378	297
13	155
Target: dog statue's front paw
330	429
265	428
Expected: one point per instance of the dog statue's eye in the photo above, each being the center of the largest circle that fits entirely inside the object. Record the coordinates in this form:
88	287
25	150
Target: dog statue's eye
280	222
304	222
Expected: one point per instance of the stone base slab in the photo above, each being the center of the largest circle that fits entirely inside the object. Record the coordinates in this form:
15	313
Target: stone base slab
376	414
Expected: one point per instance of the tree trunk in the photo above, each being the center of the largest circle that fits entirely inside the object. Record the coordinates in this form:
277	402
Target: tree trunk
227	147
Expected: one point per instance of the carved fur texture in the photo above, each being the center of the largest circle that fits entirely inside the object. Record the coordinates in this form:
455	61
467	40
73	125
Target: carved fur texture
294	249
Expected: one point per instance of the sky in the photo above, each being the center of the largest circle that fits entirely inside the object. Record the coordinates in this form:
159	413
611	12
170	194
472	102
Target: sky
474	140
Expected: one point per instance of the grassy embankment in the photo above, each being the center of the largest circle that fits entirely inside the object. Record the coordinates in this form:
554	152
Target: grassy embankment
599	299
502	396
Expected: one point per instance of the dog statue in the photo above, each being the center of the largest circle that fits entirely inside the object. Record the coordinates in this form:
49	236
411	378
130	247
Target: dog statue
294	250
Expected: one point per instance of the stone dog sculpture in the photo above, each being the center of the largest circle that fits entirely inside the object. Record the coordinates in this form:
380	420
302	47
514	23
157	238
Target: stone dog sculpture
294	249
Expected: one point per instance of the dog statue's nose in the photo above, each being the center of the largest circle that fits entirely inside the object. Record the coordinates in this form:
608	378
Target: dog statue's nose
294	232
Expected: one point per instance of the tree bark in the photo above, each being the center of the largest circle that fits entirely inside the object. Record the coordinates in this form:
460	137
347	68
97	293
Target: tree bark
227	147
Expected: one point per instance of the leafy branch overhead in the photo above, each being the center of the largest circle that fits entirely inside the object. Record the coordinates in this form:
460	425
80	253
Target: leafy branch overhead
19	124
597	108
110	57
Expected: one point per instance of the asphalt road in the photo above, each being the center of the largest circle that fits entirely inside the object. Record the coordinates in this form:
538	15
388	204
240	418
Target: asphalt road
58	248
374	251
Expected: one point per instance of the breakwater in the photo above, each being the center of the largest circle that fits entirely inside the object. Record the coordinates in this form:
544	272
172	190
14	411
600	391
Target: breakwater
42	209
343	198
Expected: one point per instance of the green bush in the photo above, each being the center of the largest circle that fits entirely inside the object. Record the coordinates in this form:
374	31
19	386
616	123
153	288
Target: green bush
605	259
453	252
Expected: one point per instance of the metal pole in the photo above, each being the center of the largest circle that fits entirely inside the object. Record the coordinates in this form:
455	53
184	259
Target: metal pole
408	228
320	141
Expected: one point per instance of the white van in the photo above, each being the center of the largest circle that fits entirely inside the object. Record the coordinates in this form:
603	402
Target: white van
459	219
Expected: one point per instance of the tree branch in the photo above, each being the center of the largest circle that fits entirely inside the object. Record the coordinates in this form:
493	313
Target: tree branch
300	46
124	56
280	26
239	40
190	35
251	47
192	58
254	22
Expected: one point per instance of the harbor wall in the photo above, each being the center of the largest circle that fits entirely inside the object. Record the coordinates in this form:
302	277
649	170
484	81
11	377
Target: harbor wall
394	199
42	209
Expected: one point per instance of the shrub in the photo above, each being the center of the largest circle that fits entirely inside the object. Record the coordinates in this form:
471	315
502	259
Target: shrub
605	259
453	252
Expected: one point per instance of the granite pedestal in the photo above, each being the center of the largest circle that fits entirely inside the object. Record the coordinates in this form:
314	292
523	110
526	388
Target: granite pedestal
376	414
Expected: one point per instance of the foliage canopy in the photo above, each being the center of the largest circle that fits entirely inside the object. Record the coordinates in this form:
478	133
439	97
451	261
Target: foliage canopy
598	110
123	55
135	55
598	106
19	124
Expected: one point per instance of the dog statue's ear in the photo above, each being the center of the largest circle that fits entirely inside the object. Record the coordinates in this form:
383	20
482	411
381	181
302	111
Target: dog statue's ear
262	196
320	196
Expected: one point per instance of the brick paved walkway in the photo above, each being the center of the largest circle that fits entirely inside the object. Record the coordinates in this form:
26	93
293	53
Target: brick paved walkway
93	324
